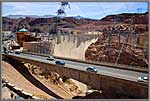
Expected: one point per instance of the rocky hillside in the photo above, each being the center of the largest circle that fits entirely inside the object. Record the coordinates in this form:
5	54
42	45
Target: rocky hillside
127	46
9	24
72	23
42	24
133	18
112	20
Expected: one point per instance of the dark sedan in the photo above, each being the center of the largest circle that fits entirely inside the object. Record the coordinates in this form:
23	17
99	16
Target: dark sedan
92	69
60	62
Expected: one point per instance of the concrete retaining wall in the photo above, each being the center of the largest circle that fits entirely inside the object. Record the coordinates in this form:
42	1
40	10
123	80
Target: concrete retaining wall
43	47
110	85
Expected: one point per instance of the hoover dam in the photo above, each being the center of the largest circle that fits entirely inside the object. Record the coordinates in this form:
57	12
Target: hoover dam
73	46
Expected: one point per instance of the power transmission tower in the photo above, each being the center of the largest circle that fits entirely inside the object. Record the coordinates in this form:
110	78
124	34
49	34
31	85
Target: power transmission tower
60	14
56	21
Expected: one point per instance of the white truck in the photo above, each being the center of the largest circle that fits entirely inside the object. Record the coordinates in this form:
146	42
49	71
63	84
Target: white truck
12	47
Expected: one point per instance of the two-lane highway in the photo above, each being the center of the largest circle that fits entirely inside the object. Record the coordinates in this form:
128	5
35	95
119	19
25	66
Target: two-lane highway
103	70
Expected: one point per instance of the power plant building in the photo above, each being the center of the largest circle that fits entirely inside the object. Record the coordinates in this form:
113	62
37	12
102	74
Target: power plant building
22	35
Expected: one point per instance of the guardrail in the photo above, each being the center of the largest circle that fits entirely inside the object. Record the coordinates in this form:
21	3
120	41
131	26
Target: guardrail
111	65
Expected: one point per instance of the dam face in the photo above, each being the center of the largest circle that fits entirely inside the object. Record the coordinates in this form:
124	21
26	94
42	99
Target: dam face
73	46
65	46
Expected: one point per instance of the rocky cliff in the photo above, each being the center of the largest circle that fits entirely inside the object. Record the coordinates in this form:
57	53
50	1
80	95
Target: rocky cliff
123	42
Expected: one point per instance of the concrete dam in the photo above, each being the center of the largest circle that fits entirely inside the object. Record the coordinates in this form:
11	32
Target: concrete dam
66	46
73	46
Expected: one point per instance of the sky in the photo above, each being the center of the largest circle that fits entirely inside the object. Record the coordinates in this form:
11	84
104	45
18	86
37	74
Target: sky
94	10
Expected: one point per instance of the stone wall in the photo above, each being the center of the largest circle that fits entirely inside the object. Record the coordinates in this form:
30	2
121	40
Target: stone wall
43	47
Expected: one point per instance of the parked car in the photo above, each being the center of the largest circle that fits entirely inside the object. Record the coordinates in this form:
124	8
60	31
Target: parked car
60	62
92	69
143	79
51	58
